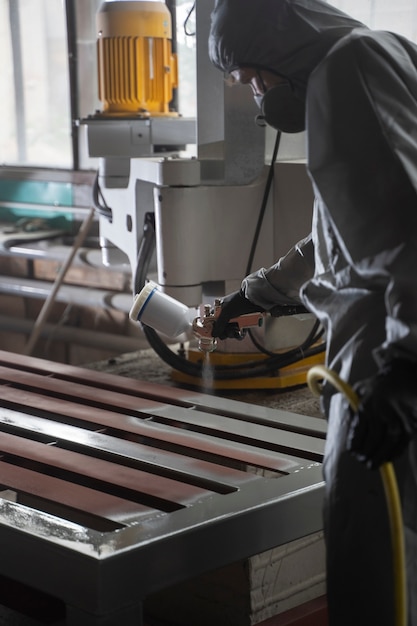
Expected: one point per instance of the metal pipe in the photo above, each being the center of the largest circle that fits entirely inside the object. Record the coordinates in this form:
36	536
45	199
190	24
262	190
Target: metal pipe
72	66
82	296
51	297
118	344
57	208
19	92
49	251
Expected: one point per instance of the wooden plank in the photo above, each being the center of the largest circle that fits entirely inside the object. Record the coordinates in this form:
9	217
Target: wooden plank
280	440
156	491
171	395
95	379
102	398
154	460
166	436
77	497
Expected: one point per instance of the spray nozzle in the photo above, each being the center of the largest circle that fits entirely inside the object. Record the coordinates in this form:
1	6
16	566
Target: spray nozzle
156	309
203	326
235	329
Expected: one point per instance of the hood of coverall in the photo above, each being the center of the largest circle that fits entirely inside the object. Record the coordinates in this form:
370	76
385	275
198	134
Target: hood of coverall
287	37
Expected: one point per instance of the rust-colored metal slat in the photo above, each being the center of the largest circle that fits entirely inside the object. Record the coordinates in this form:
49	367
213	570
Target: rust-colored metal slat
113	488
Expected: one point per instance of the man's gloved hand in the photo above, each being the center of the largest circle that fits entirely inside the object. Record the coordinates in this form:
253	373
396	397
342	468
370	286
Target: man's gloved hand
387	416
233	305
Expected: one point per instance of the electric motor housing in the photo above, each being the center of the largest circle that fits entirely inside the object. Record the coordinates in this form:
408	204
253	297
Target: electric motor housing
137	71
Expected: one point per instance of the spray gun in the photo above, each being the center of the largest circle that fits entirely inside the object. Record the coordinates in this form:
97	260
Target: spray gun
172	318
236	327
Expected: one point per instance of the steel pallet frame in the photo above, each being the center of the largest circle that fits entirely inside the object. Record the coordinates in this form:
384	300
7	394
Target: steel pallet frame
113	488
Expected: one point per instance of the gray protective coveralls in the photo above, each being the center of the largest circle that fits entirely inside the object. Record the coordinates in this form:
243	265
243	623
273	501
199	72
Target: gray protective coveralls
358	270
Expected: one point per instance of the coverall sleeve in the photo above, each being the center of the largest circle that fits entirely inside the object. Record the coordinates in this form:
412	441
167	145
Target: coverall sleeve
362	158
280	284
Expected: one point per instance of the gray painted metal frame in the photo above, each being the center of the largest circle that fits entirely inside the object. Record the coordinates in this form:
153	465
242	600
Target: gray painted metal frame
256	471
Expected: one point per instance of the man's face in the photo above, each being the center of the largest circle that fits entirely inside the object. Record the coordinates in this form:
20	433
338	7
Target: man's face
281	107
259	80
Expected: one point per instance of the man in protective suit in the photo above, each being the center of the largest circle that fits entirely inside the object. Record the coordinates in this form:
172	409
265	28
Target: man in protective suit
354	90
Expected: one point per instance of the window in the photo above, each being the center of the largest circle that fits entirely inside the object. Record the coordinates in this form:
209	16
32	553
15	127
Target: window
37	102
34	83
399	17
186	48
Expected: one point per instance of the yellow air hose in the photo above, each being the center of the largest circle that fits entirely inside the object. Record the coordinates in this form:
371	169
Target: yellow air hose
319	373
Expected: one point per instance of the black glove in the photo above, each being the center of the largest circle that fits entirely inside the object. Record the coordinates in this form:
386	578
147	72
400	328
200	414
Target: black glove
387	416
233	305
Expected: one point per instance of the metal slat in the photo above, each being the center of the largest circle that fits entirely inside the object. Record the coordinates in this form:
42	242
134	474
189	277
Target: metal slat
247	432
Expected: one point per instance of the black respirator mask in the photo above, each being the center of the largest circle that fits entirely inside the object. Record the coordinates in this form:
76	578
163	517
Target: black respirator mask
282	109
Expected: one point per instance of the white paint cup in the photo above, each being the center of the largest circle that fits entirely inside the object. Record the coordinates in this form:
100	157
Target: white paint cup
161	312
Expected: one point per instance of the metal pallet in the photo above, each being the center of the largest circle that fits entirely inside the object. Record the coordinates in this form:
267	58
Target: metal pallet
114	488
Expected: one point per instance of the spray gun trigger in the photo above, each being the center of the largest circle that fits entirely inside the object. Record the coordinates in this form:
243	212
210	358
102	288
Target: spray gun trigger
235	329
203	328
238	326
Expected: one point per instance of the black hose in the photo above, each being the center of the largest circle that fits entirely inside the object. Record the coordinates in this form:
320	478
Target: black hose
315	334
102	207
146	250
263	204
251	369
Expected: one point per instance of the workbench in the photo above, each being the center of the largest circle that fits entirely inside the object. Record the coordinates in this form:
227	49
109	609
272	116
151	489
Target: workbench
113	488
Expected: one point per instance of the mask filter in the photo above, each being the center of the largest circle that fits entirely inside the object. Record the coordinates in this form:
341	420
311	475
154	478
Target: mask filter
282	109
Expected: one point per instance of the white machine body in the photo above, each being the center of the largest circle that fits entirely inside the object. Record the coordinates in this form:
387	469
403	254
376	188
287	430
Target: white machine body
206	207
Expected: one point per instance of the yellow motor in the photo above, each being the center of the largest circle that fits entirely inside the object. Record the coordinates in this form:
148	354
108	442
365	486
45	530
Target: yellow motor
137	71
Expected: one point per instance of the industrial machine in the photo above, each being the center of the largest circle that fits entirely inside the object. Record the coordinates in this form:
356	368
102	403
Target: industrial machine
195	220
